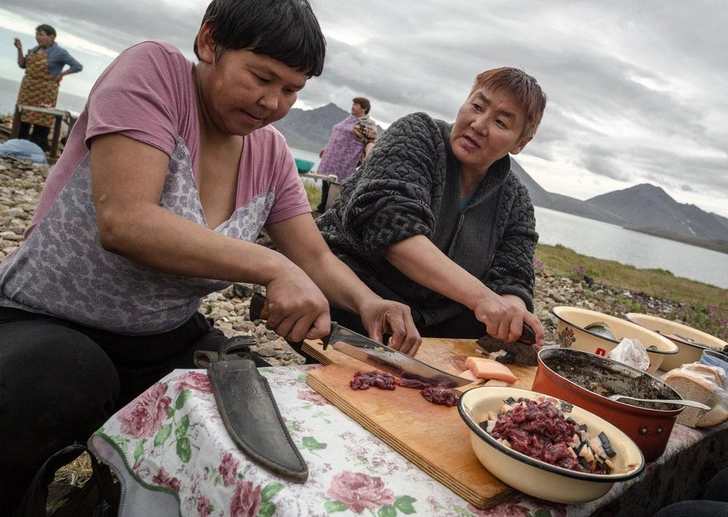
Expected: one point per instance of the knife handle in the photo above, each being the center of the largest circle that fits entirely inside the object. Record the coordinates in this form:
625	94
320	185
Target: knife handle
528	336
259	307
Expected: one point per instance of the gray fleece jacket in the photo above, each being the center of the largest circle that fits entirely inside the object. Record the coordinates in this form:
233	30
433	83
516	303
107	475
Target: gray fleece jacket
410	185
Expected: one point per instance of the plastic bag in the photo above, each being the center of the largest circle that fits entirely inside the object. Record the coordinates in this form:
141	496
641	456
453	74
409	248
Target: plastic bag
632	353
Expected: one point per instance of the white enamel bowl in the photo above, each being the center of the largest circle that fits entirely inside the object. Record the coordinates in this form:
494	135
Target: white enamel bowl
572	334
690	342
535	477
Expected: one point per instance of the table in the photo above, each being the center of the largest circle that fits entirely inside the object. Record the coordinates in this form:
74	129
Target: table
59	115
171	452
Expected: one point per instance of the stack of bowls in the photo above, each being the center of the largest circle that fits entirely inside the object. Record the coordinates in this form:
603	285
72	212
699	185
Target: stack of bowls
690	342
572	333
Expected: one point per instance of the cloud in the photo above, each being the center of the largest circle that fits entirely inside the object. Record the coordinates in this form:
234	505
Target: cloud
636	89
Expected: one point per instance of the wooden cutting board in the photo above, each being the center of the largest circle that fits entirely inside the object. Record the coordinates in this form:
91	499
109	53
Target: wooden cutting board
432	437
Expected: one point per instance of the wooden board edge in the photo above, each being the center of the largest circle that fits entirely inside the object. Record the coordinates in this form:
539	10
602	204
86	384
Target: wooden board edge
315	350
477	500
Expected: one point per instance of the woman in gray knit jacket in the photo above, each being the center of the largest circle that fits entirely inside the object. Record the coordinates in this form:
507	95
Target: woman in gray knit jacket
435	218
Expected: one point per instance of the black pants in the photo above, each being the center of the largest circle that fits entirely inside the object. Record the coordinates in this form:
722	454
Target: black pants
38	136
59	382
712	501
324	196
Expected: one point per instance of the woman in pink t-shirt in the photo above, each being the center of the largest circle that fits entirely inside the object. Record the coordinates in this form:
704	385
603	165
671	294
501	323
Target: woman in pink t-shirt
169	175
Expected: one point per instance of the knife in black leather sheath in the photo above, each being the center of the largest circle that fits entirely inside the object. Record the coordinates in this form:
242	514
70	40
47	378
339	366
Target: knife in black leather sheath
373	353
251	415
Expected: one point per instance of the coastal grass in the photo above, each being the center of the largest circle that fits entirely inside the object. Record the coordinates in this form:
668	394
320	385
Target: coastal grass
701	305
313	191
659	283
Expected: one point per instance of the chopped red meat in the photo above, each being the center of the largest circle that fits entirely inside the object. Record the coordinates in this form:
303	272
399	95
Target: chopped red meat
439	395
364	380
540	430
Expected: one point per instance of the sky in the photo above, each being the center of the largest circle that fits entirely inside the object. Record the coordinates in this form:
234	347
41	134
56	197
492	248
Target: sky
636	89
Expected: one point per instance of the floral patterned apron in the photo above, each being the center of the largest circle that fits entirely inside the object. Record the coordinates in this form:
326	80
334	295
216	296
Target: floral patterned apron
38	89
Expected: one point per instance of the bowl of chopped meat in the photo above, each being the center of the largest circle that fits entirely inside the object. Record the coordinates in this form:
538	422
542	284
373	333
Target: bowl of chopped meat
546	447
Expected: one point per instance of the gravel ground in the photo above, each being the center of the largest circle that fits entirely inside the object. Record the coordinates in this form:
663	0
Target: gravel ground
21	183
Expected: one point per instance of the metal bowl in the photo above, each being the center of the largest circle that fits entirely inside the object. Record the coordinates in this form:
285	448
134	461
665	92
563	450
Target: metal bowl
587	380
303	166
535	477
690	342
572	333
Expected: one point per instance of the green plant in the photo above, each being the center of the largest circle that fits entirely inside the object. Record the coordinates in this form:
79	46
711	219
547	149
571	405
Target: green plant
313	193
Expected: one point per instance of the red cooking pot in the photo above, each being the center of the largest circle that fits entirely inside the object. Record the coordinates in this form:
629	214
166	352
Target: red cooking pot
586	380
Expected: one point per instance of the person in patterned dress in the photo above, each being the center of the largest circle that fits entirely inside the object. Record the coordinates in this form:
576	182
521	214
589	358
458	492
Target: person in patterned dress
349	143
170	174
44	69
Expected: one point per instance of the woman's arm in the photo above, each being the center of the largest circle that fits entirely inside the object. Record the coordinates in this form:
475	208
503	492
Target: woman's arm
127	178
368	148
419	259
512	269
60	76
73	65
21	57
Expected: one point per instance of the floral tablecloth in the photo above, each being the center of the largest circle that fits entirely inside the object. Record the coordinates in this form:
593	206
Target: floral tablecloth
171	451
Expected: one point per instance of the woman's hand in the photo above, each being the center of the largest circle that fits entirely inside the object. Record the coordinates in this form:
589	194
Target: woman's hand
381	317
504	317
321	152
18	44
300	240
297	309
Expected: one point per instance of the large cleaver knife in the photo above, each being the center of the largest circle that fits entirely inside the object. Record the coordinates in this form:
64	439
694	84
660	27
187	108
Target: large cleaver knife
375	354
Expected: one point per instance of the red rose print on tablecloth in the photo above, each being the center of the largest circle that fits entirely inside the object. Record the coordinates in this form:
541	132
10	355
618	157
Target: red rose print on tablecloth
164	479
193	380
228	468
143	416
203	506
312	396
359	491
246	501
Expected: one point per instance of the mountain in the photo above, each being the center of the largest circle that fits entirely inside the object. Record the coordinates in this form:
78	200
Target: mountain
645	208
650	209
310	129
560	203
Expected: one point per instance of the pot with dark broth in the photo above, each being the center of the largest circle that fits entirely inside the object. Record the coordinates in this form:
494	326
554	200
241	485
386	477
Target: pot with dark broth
586	380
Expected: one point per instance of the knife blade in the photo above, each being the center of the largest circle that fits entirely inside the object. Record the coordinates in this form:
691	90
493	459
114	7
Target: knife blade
368	351
388	359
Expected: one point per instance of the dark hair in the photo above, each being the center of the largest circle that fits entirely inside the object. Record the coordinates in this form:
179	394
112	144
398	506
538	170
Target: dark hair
50	31
364	103
286	30
522	87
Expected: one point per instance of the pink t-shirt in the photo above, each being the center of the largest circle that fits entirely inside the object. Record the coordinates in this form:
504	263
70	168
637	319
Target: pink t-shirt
147	94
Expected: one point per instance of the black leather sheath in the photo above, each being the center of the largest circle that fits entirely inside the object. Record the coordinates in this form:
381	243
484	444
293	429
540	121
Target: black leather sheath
252	418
